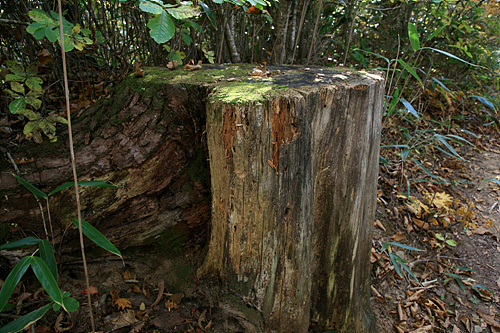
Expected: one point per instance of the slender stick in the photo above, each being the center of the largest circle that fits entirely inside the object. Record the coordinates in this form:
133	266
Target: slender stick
318	16
73	164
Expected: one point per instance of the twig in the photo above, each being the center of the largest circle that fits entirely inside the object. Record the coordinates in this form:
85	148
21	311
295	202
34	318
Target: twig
73	163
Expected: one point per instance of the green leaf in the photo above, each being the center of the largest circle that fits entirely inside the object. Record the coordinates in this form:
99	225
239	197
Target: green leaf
32	69
52	34
17	87
19	324
15	67
442	139
93	183
413	34
410	70
435	33
439	236
185	11
33	101
451	242
441	84
396	264
14	77
394	101
12	280
427	171
47	255
70	304
409	107
34	83
30	114
478	286
150	7
97	237
161	27
69	44
58	119
187	39
46	278
449	55
39	33
457	278
31	126
25	242
405	246
209	13
31	188
33	27
492	180
385	246
39	15
16	105
486	102
375	54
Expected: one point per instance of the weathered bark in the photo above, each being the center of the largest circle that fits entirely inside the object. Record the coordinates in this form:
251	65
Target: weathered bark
149	143
293	202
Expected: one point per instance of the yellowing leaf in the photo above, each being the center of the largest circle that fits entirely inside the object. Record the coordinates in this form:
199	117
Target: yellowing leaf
439	200
122	303
397	237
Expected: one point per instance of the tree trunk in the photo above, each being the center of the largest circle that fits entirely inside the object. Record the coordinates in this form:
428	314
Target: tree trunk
293	201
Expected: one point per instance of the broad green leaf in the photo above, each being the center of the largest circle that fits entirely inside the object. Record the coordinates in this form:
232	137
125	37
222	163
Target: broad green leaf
25	242
413	34
12	280
47	255
70	304
92	183
47	127
410	70
46	278
34	83
435	33
14	77
97	237
16	105
17	87
38	15
31	126
33	27
405	246
187	39
32	69
439	236
52	34
445	143
39	33
31	188
69	44
209	13
19	324
33	101
30	114
15	67
486	102
451	242
58	119
409	107
184	12
161	27
150	7
450	55
382	159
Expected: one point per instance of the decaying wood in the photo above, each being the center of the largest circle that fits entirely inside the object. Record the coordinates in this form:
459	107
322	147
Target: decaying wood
293	202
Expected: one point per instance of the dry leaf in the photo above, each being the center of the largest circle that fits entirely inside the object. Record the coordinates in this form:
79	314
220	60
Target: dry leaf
23	160
202	318
61	326
170	305
380	225
122	303
161	288
93	291
421	224
127	275
177	297
192	66
490	320
398	237
173	64
481	231
137	328
126	318
114	294
137	290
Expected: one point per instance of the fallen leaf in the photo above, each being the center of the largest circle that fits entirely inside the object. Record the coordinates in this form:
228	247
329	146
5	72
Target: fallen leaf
170	305
380	225
23	160
481	231
114	294
93	291
161	288
137	290
127	275
192	66
61	326
126	318
490	320
137	328
177	298
122	303
173	64
398	237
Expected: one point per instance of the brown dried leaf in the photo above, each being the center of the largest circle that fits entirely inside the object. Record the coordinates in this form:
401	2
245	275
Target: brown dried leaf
173	64
126	318
122	303
398	237
380	225
114	294
192	66
127	275
137	290
137	328
490	320
93	291
161	287
170	305
61	326
481	231
177	297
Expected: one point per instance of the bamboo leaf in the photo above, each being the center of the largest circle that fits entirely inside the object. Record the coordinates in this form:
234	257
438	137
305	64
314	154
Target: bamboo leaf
450	55
30	318
486	102
405	246
413	34
409	107
410	70
435	33
492	180
47	255
209	13
92	183
31	188
12	280
394	101
98	238
46	278
25	242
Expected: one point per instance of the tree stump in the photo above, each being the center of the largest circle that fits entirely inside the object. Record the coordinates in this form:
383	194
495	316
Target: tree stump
294	177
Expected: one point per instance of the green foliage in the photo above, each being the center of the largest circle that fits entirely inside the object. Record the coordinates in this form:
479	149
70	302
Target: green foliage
398	263
46	25
444	240
26	89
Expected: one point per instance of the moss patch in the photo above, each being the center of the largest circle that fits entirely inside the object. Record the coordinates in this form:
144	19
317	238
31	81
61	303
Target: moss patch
171	242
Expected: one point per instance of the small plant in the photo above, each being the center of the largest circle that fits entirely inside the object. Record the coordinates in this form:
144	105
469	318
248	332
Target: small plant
44	266
398	263
444	240
26	89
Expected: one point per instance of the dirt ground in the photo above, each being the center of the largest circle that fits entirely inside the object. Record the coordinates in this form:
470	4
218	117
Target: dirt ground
456	288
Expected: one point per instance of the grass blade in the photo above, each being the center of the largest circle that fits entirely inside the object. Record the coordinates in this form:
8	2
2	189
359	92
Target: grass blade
92	183
409	107
410	70
405	246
